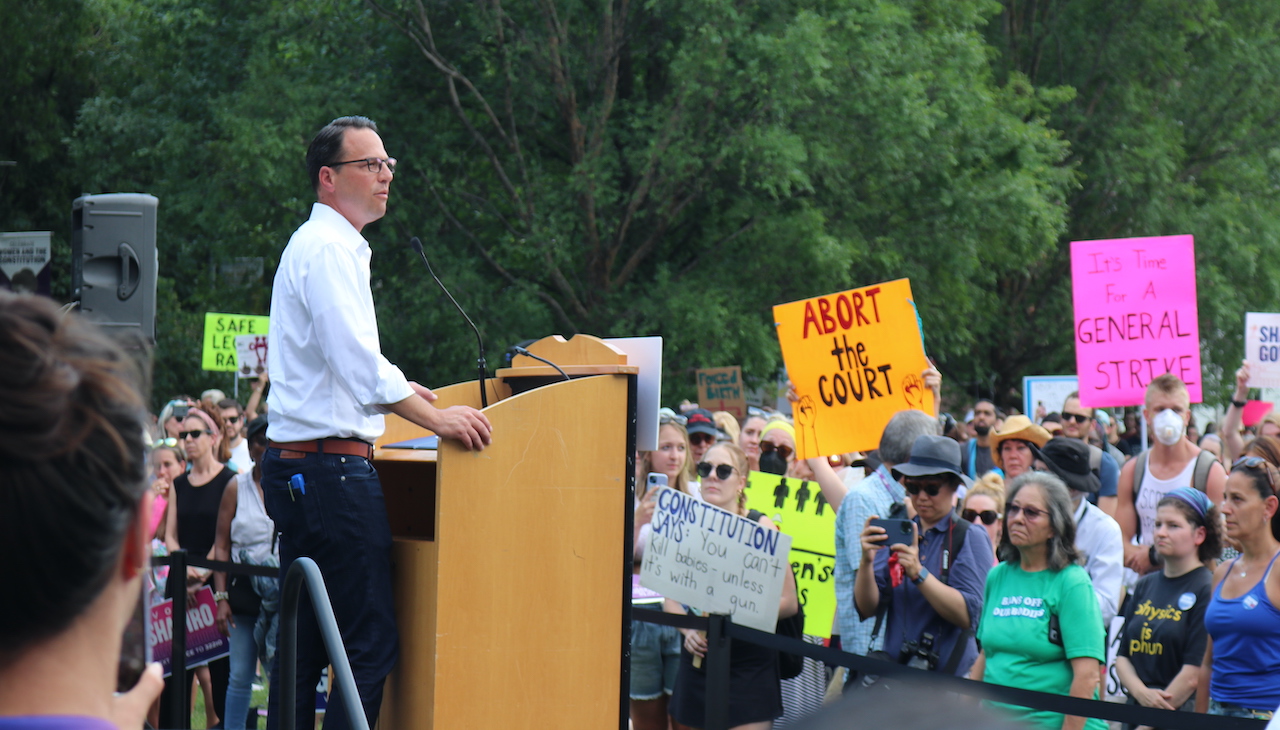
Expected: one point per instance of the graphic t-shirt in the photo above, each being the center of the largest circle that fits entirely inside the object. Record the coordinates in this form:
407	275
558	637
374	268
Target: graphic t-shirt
1164	625
1014	633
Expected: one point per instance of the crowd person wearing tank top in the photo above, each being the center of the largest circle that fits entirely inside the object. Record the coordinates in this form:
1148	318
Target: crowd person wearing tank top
245	535
192	522
1170	463
1242	658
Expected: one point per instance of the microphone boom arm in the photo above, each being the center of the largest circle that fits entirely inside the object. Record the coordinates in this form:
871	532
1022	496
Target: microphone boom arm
481	365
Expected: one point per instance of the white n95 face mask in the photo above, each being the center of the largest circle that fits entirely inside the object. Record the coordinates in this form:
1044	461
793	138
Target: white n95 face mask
1169	427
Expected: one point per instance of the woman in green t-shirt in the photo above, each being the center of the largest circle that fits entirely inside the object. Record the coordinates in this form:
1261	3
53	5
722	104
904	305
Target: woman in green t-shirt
1040	628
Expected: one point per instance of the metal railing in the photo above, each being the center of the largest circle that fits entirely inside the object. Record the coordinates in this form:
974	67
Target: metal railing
304	571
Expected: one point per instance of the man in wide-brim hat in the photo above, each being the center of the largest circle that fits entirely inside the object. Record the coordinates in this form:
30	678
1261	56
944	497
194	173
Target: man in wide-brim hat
1011	446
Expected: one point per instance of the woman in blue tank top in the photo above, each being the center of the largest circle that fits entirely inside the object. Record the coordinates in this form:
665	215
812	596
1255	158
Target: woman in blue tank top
1242	661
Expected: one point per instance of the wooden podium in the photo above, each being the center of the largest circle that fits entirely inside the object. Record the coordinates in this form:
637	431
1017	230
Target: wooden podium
511	565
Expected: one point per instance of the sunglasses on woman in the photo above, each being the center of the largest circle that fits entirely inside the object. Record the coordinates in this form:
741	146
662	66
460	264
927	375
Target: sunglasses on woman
162	443
768	447
184	435
1031	513
1257	462
988	516
723	471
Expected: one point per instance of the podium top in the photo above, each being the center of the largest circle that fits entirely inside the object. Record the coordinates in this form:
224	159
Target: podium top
577	350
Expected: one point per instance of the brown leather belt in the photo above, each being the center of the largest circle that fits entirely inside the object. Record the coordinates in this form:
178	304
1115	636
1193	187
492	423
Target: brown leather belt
346	447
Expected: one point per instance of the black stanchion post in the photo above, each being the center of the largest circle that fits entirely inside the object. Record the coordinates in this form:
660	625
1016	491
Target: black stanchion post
717	663
180	687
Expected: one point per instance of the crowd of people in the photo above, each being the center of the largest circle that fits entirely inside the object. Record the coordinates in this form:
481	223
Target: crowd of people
208	501
1005	547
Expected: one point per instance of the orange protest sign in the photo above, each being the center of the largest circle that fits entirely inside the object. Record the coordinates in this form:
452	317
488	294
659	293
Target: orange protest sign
855	359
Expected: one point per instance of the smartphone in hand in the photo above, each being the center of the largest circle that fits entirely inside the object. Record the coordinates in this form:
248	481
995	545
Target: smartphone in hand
900	532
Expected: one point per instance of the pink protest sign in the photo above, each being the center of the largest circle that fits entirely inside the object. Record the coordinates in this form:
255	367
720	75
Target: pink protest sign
1135	317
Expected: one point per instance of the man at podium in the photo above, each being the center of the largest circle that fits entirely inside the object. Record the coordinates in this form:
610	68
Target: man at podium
330	387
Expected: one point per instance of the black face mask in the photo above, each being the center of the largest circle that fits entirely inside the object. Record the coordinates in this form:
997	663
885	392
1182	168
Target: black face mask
773	463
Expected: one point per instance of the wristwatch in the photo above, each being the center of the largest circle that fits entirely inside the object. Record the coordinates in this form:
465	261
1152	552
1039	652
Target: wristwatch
921	577
220	596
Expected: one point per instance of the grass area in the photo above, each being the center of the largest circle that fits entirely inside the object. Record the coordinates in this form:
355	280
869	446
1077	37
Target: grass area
197	712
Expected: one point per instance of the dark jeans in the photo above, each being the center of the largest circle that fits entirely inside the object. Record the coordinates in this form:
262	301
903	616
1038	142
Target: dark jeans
341	523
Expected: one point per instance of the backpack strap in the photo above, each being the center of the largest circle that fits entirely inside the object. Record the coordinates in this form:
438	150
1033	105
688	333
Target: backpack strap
1200	476
1095	459
973	458
1139	472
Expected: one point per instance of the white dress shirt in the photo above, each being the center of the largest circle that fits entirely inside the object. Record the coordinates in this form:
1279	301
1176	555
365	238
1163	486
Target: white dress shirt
1098	537
328	375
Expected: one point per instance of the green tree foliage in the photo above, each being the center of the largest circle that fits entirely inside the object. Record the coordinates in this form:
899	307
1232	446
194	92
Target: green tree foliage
48	67
677	168
209	105
1173	129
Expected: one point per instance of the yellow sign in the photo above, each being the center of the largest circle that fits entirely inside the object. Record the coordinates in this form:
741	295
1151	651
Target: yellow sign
855	359
720	389
799	510
218	351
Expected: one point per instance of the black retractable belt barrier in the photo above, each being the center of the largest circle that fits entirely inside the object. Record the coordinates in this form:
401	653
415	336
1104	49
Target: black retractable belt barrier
1132	714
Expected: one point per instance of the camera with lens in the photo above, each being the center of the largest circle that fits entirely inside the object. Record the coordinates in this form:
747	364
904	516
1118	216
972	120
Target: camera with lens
919	654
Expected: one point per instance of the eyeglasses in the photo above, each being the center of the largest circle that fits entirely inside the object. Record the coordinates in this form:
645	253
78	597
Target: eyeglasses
162	443
930	487
701	438
1031	513
723	471
1257	462
669	417
233	419
768	447
373	164
1077	417
184	435
988	516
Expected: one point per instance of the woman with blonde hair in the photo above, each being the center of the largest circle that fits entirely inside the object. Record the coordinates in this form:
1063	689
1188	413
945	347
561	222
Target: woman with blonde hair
755	685
655	649
985	502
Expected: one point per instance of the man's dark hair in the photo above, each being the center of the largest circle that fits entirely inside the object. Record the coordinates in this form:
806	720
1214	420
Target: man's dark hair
327	144
231	403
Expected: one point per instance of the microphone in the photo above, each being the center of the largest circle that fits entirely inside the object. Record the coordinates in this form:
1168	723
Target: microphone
416	245
521	351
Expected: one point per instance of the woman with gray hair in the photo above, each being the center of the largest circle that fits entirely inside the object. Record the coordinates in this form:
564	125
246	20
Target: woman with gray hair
1040	627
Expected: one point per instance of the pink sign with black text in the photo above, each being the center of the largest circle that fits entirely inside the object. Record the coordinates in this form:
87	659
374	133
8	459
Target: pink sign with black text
204	641
1135	317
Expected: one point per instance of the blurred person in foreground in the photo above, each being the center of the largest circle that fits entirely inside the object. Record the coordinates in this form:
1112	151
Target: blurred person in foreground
74	504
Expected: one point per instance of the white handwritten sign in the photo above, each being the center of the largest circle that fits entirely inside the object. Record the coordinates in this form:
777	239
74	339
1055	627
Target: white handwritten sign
1262	349
251	354
715	561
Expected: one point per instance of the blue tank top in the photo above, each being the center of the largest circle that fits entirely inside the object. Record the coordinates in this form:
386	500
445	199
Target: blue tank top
1246	646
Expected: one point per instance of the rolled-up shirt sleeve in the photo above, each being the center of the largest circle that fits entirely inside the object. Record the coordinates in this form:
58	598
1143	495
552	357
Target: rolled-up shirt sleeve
339	298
